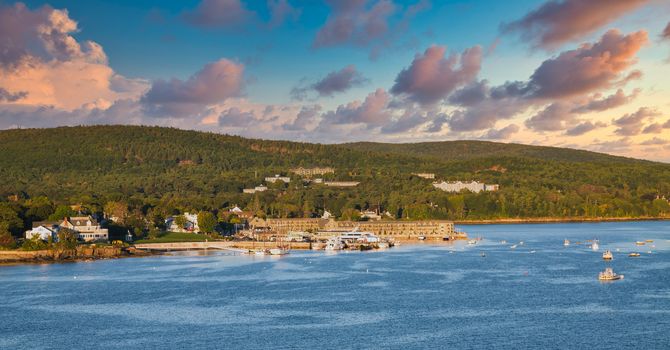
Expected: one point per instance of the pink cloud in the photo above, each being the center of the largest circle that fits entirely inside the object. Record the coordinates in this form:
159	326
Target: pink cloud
218	13
335	82
432	77
631	124
559	21
353	21
616	100
372	111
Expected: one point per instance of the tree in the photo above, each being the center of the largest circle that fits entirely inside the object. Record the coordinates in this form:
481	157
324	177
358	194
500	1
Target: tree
67	239
34	243
180	221
6	239
206	221
10	218
118	210
61	212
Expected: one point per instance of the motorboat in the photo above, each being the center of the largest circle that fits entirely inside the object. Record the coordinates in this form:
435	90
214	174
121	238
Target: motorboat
649	240
609	275
422	238
262	252
640	243
607	255
278	251
513	246
595	245
472	242
634	255
358	236
566	243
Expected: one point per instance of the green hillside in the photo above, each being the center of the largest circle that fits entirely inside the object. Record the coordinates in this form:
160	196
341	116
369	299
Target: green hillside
164	170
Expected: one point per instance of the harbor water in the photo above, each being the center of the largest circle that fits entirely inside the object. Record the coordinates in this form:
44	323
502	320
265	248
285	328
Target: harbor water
540	295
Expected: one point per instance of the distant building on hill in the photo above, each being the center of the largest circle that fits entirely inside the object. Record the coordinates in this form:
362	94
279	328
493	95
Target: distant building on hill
260	188
341	183
191	224
309	172
273	179
425	175
44	230
458	186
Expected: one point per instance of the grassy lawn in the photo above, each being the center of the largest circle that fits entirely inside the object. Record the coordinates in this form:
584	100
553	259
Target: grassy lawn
172	237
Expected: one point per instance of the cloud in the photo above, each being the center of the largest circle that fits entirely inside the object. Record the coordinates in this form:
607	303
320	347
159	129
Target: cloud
354	22
6	96
555	117
616	100
485	114
471	94
334	82
613	146
584	127
280	11
305	119
234	117
631	124
44	65
502	134
559	21
373	111
431	76
218	14
666	32
214	83
655	141
592	67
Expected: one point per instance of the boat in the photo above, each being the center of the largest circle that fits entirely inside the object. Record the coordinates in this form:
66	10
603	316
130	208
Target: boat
262	252
513	246
640	243
358	236
649	241
383	245
503	242
472	242
278	251
609	275
595	245
334	244
521	243
483	255
634	255
566	242
607	255
422	238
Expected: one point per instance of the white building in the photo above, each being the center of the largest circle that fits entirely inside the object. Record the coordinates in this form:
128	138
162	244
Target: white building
191	224
370	215
459	186
44	230
425	175
88	229
276	178
260	188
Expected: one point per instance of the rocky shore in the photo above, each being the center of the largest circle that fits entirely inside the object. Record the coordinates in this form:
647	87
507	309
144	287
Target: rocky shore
80	253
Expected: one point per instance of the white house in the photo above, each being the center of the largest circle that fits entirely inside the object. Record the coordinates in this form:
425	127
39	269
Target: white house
458	186
191	224
87	228
276	178
44	230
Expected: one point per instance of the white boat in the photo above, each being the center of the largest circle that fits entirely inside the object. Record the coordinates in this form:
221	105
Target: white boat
261	252
358	236
566	242
334	244
513	247
609	275
383	245
595	245
607	255
472	242
278	251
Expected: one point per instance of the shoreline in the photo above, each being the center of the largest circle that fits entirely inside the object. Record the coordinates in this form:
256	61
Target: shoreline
555	220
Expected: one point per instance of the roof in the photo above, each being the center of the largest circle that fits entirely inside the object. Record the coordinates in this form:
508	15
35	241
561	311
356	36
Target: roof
45	223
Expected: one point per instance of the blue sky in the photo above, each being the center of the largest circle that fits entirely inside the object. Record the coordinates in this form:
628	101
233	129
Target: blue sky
200	64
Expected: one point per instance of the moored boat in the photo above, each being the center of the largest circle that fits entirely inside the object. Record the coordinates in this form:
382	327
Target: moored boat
278	251
607	255
472	242
566	243
595	245
634	255
334	244
609	275
640	243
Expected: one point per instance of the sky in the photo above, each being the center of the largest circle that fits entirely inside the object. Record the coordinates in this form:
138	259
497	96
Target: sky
586	74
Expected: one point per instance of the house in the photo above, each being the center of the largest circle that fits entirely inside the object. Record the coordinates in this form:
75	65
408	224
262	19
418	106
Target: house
243	214
191	224
425	175
259	188
370	215
458	186
341	183
309	172
88	229
44	230
284	179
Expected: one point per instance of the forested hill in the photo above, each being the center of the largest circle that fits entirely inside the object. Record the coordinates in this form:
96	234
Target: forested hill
171	170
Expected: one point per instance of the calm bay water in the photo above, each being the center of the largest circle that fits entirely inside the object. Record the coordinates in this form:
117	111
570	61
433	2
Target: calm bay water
539	295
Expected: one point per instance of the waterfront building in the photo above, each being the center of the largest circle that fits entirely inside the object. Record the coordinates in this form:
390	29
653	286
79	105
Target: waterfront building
309	172
273	179
458	186
87	228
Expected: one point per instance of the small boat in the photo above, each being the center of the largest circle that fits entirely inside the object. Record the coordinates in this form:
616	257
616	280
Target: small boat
521	243
595	245
513	247
503	242
334	244
649	241
422	238
640	243
383	245
609	275
607	255
472	242
483	255
278	251
634	255
262	252
566	243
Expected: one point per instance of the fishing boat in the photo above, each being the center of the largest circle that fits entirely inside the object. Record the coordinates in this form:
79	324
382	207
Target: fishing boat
607	255
609	275
640	243
595	245
634	255
566	243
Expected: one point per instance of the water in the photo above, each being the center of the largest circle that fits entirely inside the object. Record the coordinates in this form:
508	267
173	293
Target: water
409	297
